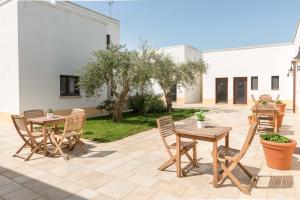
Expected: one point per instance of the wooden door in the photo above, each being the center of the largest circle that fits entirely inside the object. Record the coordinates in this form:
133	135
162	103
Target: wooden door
221	90
240	90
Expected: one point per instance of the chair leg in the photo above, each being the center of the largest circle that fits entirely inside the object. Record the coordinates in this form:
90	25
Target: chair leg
19	150
167	164
34	151
189	157
82	146
58	148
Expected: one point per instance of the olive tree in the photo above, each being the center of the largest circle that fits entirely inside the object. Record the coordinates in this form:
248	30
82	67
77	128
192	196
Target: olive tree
167	73
116	67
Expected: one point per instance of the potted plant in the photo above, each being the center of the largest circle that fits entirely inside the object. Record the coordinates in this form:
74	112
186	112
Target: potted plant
264	102
278	150
280	105
50	113
200	119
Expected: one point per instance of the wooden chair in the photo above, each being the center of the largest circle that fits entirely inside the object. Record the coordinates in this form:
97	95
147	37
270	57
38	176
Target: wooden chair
253	99
72	132
166	128
33	114
230	158
266	120
265	97
33	140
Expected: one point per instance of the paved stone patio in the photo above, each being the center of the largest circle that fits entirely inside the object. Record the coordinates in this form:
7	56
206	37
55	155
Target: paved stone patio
127	169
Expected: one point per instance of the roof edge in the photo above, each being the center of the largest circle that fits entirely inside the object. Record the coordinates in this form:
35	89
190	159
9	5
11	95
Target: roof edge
250	47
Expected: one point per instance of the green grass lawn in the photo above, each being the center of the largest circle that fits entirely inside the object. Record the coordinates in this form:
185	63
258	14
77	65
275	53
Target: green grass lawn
102	129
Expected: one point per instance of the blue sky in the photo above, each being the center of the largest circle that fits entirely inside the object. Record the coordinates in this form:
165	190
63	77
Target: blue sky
204	24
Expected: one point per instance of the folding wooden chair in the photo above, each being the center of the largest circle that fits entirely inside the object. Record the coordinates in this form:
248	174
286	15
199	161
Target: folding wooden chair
33	140
33	114
230	158
72	132
266	120
166	128
253	99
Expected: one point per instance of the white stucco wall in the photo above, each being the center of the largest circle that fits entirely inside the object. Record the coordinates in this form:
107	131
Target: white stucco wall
9	83
57	40
264	62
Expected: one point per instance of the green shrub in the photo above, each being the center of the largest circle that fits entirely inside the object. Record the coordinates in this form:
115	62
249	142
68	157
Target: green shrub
147	103
137	103
154	104
274	137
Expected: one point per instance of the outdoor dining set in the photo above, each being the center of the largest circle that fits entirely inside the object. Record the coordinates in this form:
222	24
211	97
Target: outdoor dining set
266	116
49	135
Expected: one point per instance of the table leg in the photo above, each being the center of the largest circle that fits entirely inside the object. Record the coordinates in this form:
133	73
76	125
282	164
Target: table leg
226	147
45	133
215	164
178	155
195	154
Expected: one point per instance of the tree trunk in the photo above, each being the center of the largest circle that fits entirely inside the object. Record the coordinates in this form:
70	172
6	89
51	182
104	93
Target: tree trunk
168	97
118	107
118	112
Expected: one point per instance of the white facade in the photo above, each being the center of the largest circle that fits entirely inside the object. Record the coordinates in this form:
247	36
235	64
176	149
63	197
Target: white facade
45	41
261	61
181	54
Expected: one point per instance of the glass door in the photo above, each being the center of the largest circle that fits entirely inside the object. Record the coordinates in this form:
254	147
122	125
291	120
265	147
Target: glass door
221	90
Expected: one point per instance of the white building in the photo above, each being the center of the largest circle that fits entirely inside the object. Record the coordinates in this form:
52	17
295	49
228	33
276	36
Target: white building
235	74
42	45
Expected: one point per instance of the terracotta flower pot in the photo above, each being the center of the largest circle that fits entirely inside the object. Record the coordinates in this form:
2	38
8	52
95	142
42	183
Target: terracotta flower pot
279	119
279	155
281	107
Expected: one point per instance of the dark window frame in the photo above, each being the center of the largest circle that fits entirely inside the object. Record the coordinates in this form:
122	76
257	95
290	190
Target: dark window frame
252	83
273	84
108	40
67	86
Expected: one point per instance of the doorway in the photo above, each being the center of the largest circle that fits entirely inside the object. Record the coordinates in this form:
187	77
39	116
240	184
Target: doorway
221	90
240	90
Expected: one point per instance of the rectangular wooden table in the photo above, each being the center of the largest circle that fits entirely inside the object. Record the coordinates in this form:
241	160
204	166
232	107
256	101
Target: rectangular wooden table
45	122
211	134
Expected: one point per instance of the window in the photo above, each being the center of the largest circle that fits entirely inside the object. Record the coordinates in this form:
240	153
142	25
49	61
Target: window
254	83
275	83
69	86
107	41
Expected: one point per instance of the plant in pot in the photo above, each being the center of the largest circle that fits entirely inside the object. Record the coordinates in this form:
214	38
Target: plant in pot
264	102
50	113
200	119
280	105
278	150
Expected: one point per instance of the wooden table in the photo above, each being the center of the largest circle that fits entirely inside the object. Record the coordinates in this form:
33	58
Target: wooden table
45	122
211	134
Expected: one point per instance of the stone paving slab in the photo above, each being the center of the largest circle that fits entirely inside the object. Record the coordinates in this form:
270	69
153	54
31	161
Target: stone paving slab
127	169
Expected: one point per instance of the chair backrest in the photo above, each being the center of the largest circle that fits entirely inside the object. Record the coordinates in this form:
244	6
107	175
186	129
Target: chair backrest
74	123
165	126
248	141
253	99
265	97
22	129
78	110
33	113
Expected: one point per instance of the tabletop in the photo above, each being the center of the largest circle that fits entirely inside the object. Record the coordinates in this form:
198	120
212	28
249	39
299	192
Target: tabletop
42	120
208	132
